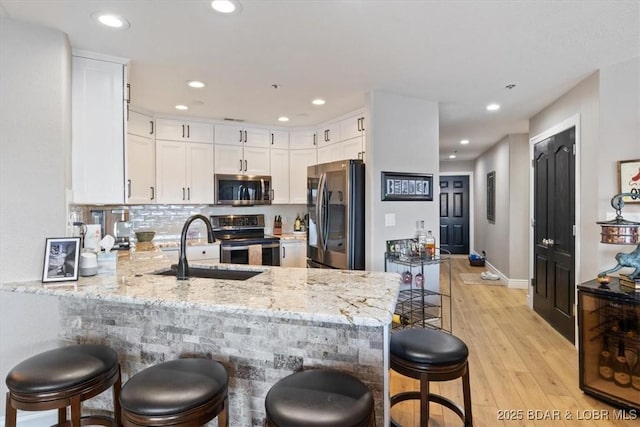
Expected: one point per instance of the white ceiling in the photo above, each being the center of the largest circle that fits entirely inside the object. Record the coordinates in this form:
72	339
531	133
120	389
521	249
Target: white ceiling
459	53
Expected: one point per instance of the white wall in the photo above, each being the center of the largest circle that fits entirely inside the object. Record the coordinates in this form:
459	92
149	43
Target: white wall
456	166
519	209
35	125
402	137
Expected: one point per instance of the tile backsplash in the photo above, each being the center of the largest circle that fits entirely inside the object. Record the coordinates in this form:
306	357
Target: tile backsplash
167	220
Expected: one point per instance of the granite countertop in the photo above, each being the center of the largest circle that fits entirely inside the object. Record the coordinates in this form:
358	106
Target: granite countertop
293	236
319	295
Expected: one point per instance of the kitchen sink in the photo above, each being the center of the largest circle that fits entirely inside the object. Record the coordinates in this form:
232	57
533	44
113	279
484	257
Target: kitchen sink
211	273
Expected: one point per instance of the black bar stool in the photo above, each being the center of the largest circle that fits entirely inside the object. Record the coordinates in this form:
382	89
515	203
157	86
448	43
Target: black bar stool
319	398
63	377
179	393
431	355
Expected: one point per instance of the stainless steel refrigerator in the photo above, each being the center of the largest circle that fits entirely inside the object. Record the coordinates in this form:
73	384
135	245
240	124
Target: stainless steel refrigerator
335	205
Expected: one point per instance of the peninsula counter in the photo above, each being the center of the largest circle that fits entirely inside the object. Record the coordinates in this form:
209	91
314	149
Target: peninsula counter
262	329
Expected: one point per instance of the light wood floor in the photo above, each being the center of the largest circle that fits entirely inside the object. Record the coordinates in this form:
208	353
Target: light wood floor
517	363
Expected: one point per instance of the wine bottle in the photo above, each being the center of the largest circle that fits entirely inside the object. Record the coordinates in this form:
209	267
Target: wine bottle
621	371
421	236
635	372
431	245
296	226
605	365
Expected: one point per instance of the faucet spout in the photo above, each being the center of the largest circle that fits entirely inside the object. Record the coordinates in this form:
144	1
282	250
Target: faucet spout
182	272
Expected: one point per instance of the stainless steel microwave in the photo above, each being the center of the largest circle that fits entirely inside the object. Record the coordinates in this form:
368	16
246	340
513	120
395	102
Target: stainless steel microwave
242	190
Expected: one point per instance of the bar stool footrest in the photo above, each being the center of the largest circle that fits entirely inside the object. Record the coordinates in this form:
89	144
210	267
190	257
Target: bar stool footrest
435	398
91	420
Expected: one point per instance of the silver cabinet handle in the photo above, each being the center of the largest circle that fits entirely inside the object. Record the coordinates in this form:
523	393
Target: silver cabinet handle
284	252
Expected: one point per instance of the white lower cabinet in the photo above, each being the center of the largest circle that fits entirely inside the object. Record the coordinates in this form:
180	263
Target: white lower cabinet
299	160
280	176
293	253
141	170
184	172
210	252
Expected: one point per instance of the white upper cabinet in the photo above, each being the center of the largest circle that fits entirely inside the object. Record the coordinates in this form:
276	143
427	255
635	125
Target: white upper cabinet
184	172
97	133
176	130
238	160
299	160
140	124
239	135
352	127
329	134
141	170
256	161
279	176
330	153
279	139
302	139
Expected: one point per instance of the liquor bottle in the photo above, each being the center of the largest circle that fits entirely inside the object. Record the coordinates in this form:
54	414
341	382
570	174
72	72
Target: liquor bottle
605	364
421	236
621	371
635	372
296	226
431	245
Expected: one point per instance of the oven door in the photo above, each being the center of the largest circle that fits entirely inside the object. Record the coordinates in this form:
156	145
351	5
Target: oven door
239	254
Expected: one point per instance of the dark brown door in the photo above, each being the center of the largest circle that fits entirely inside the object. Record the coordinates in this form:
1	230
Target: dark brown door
454	214
554	219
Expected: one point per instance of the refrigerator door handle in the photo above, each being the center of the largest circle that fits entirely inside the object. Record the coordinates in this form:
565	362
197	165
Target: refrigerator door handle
319	211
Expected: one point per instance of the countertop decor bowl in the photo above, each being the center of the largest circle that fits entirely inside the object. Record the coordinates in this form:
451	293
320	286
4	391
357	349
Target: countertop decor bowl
145	236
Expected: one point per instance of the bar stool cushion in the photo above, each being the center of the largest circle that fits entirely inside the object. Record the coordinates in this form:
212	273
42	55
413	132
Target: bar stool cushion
428	347
319	398
61	368
174	387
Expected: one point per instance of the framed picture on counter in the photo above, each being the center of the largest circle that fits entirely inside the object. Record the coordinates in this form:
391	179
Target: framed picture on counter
407	186
61	257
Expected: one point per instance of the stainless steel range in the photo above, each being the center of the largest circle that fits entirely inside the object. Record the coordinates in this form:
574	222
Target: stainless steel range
240	235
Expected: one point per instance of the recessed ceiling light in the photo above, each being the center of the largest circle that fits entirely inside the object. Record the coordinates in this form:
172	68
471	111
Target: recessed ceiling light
181	107
318	101
493	107
225	6
196	84
111	20
464	141
452	156
283	119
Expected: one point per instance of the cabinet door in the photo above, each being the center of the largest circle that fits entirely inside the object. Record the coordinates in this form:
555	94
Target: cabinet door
140	124
228	159
170	172
352	148
256	161
329	134
293	253
170	129
279	139
352	127
280	176
255	137
299	160
141	170
199	132
227	134
302	139
330	153
199	173
97	133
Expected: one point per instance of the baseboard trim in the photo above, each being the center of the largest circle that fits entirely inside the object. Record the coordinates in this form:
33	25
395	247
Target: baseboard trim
511	283
35	419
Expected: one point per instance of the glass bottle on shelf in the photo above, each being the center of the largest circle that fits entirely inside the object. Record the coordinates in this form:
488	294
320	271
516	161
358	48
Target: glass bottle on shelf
621	371
430	245
421	236
635	372
605	364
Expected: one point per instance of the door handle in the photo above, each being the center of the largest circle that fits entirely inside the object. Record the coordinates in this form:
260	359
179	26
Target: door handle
245	136
183	131
151	122
153	193
240	165
240	136
271	138
128	189
188	193
284	252
188	131
245	165
182	193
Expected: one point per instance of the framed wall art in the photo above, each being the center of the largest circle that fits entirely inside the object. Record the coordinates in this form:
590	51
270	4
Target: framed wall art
629	179
491	197
401	186
61	257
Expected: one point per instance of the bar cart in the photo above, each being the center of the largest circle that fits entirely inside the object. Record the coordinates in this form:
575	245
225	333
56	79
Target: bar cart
608	327
424	300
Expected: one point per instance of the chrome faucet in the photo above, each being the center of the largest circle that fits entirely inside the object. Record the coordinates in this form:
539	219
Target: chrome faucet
182	271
